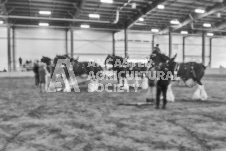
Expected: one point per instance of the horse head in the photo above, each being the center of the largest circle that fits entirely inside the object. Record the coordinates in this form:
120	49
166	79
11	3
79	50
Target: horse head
109	60
46	60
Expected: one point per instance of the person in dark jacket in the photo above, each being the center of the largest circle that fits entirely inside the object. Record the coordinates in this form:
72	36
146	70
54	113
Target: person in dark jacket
35	69
20	61
157	48
42	76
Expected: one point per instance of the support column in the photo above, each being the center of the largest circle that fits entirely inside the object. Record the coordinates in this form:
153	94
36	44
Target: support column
203	47
113	43
14	48
66	41
210	63
9	47
153	43
184	49
126	42
72	42
170	43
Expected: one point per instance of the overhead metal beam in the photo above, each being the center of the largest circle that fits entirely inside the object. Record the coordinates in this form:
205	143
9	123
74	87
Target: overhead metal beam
79	8
53	19
143	12
193	17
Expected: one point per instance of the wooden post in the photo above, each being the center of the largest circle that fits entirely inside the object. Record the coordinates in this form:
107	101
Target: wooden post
184	49
126	42
153	43
203	47
170	43
14	48
210	63
66	41
9	47
72	42
113	43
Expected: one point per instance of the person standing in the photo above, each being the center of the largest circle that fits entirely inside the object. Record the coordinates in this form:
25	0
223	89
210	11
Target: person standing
20	61
35	69
157	48
42	76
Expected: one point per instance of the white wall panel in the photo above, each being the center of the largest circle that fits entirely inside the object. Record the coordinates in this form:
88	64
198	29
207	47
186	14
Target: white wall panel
92	44
3	49
139	45
33	43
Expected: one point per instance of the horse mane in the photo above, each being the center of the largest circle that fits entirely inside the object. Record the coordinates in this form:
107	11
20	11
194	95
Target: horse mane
162	56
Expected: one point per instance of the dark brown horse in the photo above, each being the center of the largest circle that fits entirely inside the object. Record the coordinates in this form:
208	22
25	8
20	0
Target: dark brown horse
186	71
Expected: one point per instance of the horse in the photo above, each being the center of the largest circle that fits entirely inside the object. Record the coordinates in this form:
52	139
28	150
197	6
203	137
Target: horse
123	66
90	69
118	65
185	71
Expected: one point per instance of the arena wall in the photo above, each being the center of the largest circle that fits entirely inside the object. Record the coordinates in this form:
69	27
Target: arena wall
33	43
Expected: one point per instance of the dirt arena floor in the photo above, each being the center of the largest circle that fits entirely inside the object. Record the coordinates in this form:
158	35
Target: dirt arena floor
33	121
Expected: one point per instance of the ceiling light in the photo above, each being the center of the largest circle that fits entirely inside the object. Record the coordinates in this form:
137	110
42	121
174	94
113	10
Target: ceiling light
43	24
206	25
184	32
134	5
155	30
107	1
161	6
84	26
94	15
141	19
210	34
1	22
175	21
200	11
44	12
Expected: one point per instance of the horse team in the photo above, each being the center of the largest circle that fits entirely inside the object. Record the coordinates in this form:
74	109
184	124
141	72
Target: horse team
158	62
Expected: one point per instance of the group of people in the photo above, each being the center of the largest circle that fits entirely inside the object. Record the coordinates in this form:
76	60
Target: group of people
42	74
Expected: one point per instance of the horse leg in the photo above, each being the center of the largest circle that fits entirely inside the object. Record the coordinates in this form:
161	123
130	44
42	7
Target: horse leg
164	90
169	94
203	94
144	82
159	91
150	94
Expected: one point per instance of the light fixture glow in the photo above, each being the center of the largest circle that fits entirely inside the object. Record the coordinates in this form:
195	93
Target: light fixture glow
84	26
141	19
210	34
44	12
161	6
107	1
184	32
175	22
43	24
155	30
94	15
200	11
206	25
1	22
